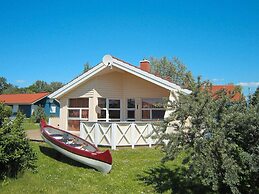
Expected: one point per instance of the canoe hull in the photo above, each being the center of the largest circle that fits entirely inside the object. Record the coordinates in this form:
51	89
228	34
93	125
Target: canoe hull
100	166
101	161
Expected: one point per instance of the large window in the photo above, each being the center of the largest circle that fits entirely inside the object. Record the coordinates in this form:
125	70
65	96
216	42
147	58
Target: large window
78	109
109	109
152	109
131	110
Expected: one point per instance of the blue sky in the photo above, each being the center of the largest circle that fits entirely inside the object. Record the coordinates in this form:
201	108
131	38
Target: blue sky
51	40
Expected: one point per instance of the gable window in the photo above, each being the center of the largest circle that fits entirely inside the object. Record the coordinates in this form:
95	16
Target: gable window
53	108
131	110
109	109
78	109
152	109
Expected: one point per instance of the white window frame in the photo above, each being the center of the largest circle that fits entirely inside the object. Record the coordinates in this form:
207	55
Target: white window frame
107	109
80	112
131	109
150	110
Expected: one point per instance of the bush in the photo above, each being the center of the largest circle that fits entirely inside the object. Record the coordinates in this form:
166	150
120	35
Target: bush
5	112
38	114
16	155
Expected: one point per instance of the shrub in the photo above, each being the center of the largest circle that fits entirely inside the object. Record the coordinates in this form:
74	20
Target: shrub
16	155
38	114
5	112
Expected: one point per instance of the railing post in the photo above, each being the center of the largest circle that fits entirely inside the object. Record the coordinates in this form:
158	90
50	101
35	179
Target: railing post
96	134
149	131
132	132
113	135
82	130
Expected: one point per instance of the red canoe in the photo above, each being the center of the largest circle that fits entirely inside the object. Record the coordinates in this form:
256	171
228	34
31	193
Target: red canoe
76	148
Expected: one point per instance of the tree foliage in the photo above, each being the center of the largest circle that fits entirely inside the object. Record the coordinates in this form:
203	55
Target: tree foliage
87	67
5	112
220	136
173	70
254	99
16	155
38	114
38	86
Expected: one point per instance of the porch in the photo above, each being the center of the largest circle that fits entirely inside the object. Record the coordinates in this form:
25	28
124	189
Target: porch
115	134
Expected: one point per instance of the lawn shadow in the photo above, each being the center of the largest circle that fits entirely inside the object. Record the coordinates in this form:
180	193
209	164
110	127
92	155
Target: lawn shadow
52	153
163	179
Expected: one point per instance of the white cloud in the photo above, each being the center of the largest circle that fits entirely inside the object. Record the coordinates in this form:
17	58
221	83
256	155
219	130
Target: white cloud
249	84
218	80
20	81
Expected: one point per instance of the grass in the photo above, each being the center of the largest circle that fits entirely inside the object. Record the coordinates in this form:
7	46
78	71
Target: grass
29	125
59	174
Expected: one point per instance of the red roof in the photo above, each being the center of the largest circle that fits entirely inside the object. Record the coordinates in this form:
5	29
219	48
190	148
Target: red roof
230	89
22	98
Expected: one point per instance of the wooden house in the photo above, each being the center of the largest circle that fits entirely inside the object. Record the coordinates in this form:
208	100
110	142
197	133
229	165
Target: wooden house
111	98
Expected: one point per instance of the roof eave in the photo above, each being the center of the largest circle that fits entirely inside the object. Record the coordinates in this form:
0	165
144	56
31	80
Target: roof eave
77	81
123	66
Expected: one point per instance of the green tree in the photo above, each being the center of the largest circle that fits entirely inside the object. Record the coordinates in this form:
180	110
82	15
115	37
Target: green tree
39	86
38	114
86	67
3	84
254	99
174	70
53	86
16	155
5	112
7	88
220	137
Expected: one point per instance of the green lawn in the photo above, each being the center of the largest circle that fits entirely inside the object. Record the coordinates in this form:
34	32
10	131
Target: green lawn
28	125
58	174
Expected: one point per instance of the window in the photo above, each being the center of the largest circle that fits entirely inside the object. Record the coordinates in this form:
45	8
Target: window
152	109
53	108
78	109
131	110
109	109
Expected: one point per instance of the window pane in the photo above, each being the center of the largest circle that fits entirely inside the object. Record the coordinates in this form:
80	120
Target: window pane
73	113
79	103
152	103
72	103
53	108
114	103
158	114
83	102
146	103
102	114
131	103
102	102
74	125
114	114
131	114
84	113
145	114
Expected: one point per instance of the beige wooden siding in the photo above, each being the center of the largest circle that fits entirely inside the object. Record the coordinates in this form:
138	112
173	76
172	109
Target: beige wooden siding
114	84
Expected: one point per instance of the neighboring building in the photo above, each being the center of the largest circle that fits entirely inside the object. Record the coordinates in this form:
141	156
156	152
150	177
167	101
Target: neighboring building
27	103
113	92
231	90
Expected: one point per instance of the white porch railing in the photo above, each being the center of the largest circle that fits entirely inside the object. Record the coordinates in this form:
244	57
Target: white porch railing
118	134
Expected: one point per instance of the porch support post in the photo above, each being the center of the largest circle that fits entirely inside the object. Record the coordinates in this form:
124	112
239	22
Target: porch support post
82	130
113	135
149	131
132	131
96	134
